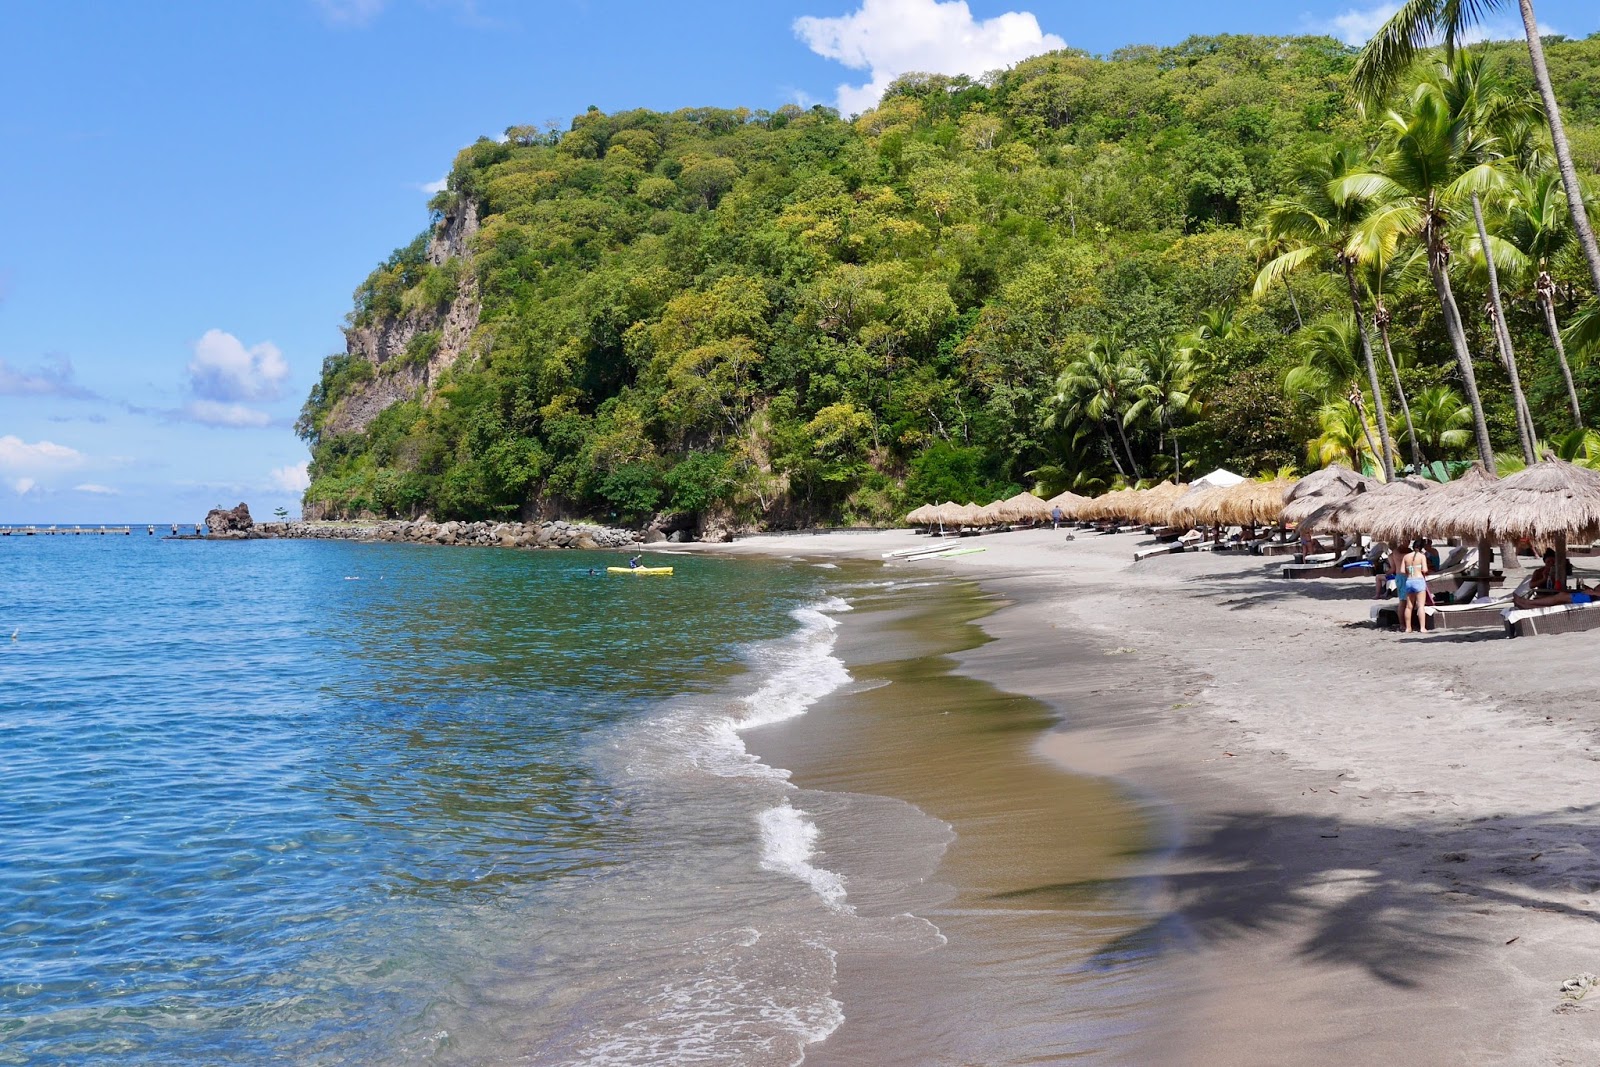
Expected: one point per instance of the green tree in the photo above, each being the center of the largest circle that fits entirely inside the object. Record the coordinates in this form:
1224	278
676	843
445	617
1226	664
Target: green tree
1324	218
1417	24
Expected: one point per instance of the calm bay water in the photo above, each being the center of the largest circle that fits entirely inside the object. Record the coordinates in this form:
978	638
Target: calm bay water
333	803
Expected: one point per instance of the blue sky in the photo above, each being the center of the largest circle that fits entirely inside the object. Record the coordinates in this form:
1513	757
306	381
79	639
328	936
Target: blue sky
191	190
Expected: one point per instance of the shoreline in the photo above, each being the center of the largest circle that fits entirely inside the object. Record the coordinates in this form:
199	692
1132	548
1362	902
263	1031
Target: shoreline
1384	844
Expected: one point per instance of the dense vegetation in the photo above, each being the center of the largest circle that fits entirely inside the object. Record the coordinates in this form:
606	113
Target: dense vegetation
1082	271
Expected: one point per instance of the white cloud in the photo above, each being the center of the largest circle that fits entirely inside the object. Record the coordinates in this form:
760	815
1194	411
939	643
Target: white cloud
53	377
18	455
213	413
435	187
1357	25
350	12
24	486
97	489
223	369
894	37
295	478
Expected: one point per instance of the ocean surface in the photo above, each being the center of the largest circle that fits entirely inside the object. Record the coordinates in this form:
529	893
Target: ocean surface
320	802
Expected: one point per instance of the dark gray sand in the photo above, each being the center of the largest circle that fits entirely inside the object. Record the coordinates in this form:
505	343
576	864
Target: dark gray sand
1387	847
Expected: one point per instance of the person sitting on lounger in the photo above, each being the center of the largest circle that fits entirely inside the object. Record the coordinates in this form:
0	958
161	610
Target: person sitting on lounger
1544	578
1550	600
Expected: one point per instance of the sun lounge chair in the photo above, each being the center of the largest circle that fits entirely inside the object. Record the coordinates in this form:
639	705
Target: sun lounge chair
1478	614
1160	550
1349	566
1556	619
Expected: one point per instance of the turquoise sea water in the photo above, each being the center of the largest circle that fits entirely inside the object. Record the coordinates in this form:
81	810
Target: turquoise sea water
316	802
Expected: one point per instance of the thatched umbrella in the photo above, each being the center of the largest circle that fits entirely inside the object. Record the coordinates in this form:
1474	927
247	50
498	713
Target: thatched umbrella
1429	513
1252	503
1359	512
1070	503
1025	506
1322	487
948	514
989	515
1153	506
1200	506
1545	502
1114	505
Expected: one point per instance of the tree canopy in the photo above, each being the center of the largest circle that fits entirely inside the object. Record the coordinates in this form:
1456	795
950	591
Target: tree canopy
1050	278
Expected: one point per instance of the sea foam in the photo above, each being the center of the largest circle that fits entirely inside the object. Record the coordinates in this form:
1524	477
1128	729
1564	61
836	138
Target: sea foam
788	844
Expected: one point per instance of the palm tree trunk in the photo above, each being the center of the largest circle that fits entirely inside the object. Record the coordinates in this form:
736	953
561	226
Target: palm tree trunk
1133	464
1386	459
1111	449
1546	291
1380	319
1502	334
1439	272
1558	138
1299	323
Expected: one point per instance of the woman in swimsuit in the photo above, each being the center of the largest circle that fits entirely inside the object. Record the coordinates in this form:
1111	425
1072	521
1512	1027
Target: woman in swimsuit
1413	572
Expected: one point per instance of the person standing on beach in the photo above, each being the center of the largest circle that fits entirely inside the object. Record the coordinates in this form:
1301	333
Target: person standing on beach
1055	517
1414	573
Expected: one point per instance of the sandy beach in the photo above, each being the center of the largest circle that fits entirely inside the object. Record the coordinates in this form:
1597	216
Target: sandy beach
1383	847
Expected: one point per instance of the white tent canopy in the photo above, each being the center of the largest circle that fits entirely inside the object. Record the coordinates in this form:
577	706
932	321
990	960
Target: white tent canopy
1217	479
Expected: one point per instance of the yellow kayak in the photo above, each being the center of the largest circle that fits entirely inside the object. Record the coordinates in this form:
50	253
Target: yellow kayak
639	570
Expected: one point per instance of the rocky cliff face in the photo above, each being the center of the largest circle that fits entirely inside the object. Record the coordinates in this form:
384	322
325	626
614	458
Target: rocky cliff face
384	342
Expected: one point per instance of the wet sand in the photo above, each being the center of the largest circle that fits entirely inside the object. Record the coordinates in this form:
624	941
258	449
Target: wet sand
1387	845
1040	962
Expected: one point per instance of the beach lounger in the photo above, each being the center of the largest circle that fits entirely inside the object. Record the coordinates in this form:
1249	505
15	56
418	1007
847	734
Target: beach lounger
1480	614
1358	568
1160	550
1556	619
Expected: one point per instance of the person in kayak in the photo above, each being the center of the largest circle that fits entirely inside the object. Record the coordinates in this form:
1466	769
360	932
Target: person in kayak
633	563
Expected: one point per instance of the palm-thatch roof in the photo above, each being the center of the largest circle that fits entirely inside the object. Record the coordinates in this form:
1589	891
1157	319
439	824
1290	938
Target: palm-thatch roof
1322	487
1252	503
992	514
1153	505
1113	505
1362	510
920	516
1070	503
1544	502
1024	506
1418	516
949	514
1200	506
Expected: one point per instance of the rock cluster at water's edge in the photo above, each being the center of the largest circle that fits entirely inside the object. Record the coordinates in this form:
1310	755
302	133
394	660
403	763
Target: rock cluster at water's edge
550	534
229	522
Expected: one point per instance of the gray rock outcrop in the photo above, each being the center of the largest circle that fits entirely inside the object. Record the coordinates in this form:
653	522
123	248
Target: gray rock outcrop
223	521
384	342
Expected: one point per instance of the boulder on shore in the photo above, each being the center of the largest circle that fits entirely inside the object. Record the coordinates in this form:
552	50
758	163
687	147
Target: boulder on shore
229	520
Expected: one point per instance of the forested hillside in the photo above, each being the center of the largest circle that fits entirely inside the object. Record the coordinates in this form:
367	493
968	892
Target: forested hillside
1053	277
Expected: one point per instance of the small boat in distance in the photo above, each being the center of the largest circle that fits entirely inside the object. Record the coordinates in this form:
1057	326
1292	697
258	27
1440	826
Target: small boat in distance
639	570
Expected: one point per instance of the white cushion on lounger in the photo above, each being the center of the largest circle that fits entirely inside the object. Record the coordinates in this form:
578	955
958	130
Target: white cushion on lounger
1516	615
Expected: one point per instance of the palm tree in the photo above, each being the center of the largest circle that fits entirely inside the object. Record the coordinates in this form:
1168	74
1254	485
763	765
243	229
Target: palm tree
1415	27
1096	390
1385	269
1421	176
1165	393
1321	222
1266	246
1330	367
1474	91
1443	420
1344	436
1537	225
